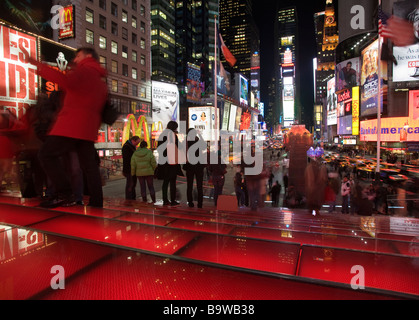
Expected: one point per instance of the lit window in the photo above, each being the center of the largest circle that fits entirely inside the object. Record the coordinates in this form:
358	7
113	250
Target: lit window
114	47
102	42
89	36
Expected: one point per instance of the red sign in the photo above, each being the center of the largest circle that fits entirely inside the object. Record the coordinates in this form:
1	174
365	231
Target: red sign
66	22
18	80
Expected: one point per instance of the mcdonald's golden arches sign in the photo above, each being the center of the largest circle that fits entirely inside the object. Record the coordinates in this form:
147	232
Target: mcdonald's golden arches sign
67	20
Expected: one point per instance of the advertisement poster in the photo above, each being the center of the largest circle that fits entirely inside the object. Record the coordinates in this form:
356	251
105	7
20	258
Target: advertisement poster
331	103
355	111
392	130
414	104
57	56
244	90
67	24
202	119
232	121
193	83
18	79
369	81
407	67
344	111
238	117
165	102
226	116
348	74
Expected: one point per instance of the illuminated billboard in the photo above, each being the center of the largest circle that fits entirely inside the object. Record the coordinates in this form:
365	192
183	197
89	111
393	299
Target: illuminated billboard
232	120
202	119
392	130
67	22
348	74
193	83
414	104
331	103
407	66
244	91
165	102
369	80
18	79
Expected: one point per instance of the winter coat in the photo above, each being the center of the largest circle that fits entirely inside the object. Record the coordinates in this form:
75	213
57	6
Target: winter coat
143	163
85	95
128	150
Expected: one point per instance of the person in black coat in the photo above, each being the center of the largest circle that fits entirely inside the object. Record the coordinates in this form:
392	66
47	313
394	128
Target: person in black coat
195	170
168	172
275	192
128	150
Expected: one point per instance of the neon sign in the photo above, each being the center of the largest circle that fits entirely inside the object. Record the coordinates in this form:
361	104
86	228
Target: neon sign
136	128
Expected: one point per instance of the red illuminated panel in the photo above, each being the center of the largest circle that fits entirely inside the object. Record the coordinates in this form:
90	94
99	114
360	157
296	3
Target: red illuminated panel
125	234
245	253
23	216
29	273
336	264
144	277
204	226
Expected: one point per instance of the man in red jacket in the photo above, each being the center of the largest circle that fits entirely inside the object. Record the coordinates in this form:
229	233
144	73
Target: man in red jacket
76	127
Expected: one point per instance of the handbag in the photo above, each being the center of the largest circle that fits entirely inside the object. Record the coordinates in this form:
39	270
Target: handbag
109	113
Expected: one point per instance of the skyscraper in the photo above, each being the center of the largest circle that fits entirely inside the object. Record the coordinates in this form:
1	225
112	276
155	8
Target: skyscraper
286	36
163	42
327	40
240	34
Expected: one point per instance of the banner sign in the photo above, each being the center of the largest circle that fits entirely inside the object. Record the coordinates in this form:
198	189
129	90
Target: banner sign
356	17
165	100
67	19
18	80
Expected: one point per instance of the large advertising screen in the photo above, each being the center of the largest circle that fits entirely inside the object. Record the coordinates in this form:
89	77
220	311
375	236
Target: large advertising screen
57	56
369	80
165	102
232	120
407	66
226	116
392	130
331	103
193	83
18	80
244	91
414	105
344	111
348	74
202	119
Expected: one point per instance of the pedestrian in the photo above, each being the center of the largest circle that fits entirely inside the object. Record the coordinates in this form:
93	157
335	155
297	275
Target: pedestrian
143	164
315	183
238	188
76	126
218	171
345	191
275	192
169	168
194	167
128	150
271	180
285	181
330	197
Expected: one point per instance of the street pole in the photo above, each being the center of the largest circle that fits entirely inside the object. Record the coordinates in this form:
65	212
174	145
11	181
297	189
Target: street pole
379	99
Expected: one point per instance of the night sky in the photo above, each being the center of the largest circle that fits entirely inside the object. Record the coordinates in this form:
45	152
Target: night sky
264	12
